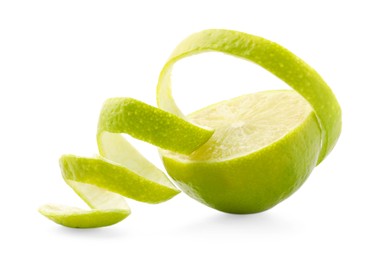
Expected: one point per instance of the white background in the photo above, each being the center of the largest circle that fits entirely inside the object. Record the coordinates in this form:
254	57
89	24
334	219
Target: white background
59	60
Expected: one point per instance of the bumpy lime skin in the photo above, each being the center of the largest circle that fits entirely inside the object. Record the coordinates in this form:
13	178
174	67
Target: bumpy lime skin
115	178
93	219
256	182
151	124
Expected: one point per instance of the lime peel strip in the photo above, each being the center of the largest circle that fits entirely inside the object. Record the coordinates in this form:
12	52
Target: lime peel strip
271	56
121	170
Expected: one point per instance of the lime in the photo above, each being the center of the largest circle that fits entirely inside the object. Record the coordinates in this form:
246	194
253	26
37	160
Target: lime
243	155
264	145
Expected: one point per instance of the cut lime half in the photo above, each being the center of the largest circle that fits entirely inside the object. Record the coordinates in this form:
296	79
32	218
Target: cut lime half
263	149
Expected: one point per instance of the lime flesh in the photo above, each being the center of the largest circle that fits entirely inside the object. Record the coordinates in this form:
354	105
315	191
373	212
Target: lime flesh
264	147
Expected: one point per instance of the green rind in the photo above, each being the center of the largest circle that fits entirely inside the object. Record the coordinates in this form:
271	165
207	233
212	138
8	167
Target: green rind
114	178
152	125
115	173
85	219
274	58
